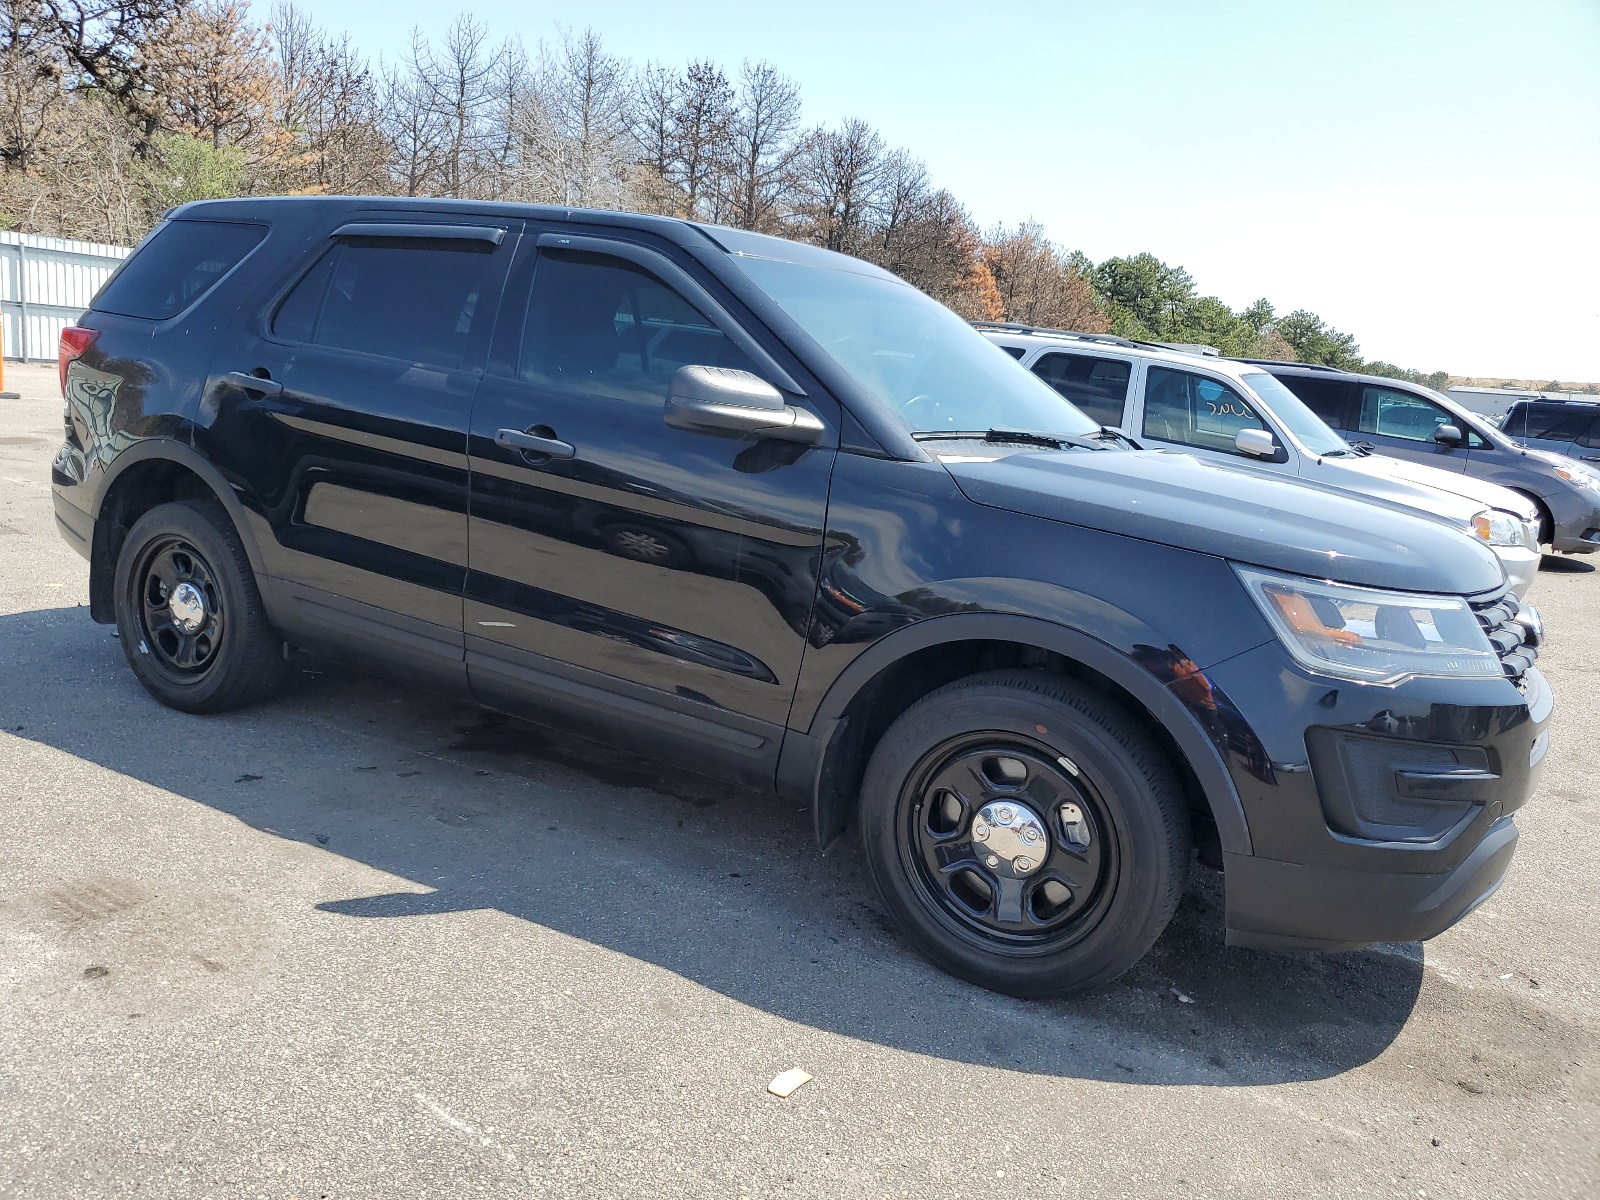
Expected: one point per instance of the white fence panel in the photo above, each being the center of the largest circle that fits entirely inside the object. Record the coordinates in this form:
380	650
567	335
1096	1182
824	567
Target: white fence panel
45	284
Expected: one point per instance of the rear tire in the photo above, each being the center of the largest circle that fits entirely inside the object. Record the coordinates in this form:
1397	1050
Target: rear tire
189	613
1026	832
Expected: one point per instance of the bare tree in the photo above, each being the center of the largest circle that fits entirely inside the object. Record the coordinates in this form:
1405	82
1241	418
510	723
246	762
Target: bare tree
839	176
458	84
413	130
763	146
574	124
328	109
109	43
85	182
652	124
702	124
32	75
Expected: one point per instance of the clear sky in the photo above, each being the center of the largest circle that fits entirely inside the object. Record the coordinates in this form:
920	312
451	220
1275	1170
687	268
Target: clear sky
1424	174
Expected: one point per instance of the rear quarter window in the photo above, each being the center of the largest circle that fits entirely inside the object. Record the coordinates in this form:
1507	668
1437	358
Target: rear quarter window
180	263
1330	399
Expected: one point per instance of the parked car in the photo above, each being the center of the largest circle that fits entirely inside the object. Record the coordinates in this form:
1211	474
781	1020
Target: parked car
1413	422
577	466
1240	415
1570	427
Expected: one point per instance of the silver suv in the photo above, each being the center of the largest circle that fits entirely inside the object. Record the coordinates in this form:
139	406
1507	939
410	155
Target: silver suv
1236	412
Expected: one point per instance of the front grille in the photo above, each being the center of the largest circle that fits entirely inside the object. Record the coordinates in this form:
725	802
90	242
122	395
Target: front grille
1497	613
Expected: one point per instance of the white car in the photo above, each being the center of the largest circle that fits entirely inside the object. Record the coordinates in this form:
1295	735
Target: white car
1220	409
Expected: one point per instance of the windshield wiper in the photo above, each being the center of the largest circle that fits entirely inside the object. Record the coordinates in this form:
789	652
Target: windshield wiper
1110	432
1018	437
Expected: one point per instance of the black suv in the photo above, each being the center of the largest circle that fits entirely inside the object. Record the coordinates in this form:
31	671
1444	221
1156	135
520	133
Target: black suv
773	513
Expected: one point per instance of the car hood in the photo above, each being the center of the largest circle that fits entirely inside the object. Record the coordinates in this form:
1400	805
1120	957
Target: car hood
1177	500
1551	459
1398	475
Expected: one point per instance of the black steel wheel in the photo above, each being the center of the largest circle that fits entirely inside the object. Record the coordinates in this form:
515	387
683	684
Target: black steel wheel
1008	845
180	608
1026	832
189	612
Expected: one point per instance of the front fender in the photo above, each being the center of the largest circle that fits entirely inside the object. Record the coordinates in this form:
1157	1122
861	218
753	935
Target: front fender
804	763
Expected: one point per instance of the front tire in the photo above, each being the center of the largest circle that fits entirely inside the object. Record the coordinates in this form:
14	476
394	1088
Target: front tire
1026	832
189	613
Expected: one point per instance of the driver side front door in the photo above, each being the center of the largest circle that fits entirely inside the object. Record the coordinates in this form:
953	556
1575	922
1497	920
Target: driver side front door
651	583
1402	424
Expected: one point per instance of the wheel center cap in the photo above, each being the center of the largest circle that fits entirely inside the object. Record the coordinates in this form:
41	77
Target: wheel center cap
188	607
1009	838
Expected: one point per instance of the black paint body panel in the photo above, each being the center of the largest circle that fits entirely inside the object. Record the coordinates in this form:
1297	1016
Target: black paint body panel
387	525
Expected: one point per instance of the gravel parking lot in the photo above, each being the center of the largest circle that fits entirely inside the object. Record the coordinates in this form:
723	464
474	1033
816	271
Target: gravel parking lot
363	942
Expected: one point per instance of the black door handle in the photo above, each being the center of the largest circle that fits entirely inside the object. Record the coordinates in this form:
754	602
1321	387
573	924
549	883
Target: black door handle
531	443
255	383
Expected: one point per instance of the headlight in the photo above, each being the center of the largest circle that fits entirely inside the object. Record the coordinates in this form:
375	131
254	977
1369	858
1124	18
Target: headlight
1499	528
1579	476
1371	635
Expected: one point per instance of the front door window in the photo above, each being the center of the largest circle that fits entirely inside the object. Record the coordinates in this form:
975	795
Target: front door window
1194	410
1389	413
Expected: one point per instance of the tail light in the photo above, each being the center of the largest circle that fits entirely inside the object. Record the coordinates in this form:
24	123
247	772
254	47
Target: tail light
74	344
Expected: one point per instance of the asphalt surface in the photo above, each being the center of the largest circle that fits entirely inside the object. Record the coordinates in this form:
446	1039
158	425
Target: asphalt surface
363	942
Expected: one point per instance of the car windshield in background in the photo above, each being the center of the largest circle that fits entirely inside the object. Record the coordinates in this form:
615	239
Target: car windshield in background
1310	430
913	353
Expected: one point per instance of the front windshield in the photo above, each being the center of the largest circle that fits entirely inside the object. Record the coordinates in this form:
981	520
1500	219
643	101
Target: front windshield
1310	430
913	353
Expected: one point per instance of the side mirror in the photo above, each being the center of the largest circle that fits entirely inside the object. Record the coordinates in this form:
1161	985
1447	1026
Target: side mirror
736	403
1448	435
1257	443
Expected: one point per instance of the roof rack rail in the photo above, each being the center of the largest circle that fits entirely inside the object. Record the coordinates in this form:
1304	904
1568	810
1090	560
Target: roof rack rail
1278	362
1200	348
1109	339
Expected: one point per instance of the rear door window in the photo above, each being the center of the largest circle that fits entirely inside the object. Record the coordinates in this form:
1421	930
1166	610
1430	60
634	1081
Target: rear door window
1099	386
417	302
604	327
1554	422
1193	410
182	261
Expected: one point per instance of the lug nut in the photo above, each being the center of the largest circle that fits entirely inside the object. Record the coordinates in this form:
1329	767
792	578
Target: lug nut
1024	864
992	860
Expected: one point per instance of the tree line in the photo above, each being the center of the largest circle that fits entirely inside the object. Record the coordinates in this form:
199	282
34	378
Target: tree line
113	111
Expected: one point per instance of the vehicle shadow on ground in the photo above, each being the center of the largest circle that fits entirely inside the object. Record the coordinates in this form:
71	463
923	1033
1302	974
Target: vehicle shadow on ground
1563	565
722	887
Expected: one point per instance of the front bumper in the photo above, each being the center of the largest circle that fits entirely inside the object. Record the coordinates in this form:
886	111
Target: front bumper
1577	541
1576	516
1521	565
1290	906
1376	814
